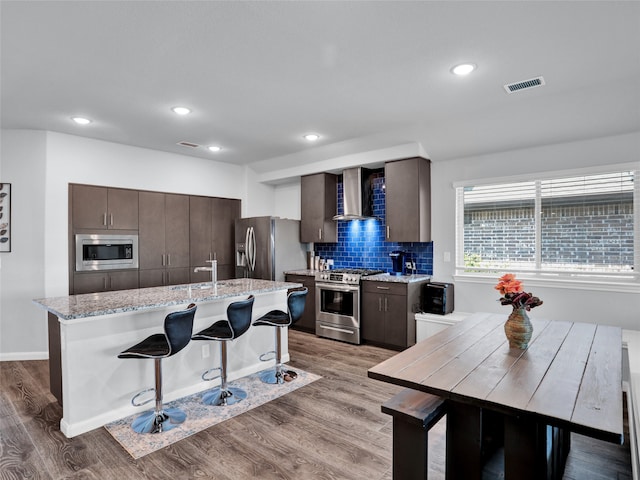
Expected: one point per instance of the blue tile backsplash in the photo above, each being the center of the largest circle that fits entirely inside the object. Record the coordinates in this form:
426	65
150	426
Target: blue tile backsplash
361	242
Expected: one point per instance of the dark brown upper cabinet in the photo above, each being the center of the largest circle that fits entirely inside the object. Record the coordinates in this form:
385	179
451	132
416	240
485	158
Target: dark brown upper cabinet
164	238
101	208
408	200
212	230
318	197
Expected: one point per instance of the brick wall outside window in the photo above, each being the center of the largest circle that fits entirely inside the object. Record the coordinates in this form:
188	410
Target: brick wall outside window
579	234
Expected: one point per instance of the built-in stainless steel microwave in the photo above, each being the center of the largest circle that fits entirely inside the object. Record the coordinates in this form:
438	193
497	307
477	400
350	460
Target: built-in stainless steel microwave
106	252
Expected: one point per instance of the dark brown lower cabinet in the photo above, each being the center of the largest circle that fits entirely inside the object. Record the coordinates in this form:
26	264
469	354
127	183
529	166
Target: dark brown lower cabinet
92	282
164	276
307	322
387	316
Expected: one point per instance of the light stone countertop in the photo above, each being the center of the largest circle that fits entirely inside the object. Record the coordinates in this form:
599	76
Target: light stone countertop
381	277
305	272
387	277
121	301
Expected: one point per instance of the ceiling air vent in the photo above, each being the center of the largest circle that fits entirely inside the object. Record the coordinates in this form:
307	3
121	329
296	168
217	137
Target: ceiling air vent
189	144
524	85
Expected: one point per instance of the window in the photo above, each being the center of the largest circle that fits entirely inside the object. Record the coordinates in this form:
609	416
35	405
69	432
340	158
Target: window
575	225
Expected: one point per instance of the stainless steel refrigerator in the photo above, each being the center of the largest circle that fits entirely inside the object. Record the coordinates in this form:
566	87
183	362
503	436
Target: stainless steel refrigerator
268	246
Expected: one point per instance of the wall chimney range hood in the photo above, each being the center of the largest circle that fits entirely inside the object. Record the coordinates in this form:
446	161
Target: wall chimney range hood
356	194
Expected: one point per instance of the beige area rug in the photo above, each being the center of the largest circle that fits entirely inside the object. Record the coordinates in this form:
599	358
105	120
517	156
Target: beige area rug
201	416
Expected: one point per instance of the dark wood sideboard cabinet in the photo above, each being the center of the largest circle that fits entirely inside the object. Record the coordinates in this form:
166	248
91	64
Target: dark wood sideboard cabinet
388	313
318	196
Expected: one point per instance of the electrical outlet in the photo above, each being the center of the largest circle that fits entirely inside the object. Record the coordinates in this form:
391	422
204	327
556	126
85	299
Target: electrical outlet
205	351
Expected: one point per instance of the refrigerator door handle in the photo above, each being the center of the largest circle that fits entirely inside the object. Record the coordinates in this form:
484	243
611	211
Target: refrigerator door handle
253	249
247	250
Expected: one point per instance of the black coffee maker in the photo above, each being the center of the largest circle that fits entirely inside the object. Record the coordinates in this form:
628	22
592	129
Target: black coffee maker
397	262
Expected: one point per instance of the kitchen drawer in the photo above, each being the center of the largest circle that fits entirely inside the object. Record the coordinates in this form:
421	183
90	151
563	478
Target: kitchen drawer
388	288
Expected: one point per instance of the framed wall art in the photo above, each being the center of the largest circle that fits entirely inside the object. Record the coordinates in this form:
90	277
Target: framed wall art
5	217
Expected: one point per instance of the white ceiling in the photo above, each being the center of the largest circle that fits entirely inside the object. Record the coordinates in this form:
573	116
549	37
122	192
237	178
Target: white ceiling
364	75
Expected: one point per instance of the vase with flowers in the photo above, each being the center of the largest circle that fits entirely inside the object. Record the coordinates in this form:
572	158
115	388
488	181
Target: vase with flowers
517	328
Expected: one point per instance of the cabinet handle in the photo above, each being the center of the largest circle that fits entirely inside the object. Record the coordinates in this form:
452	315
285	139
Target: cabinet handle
104	283
169	259
163	259
379	304
320	233
210	257
386	304
110	283
383	288
104	219
388	231
111	219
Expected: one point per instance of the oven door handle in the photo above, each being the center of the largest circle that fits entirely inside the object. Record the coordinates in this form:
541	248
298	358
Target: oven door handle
335	288
341	330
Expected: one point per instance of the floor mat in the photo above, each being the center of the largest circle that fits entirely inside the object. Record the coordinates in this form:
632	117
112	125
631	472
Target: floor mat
201	416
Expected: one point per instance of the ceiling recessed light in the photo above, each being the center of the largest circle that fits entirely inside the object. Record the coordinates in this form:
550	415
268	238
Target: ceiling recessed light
311	137
81	120
215	148
181	110
463	69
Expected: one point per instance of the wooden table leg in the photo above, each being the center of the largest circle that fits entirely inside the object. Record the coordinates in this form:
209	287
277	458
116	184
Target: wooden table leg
534	451
464	442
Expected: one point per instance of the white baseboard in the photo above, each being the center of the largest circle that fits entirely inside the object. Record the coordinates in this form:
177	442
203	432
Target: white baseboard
23	356
72	429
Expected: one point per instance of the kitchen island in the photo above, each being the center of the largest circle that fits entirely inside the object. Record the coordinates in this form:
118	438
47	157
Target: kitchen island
86	333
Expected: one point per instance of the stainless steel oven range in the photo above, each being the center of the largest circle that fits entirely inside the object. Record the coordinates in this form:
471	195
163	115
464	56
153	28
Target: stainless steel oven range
338	303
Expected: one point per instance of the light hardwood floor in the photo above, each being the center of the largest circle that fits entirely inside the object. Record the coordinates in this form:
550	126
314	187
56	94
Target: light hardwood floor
331	429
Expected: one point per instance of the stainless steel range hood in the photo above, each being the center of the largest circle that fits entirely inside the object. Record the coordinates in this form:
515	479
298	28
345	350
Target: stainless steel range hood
357	194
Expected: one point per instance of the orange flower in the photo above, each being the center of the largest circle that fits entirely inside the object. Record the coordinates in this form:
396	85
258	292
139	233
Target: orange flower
508	284
513	294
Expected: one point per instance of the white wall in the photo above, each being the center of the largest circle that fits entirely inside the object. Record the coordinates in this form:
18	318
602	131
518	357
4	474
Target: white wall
40	165
594	305
22	323
287	200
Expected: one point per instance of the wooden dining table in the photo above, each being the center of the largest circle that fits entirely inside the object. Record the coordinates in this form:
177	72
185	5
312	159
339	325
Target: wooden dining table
516	405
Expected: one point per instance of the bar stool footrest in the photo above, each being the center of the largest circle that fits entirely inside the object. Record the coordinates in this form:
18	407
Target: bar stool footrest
139	394
208	379
264	358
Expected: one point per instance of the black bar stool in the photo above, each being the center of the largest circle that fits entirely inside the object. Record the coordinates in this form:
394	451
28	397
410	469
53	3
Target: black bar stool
237	323
178	327
277	318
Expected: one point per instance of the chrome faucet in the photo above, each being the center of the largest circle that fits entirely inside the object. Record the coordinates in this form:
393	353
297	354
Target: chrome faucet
213	269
